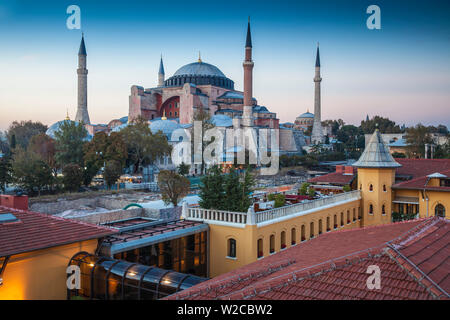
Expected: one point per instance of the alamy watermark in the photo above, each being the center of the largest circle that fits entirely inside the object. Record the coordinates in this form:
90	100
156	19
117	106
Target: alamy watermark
246	145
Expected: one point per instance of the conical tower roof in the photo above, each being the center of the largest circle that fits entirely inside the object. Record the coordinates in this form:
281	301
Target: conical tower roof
376	154
82	50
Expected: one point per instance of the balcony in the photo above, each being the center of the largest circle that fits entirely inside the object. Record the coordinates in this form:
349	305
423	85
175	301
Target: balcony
240	219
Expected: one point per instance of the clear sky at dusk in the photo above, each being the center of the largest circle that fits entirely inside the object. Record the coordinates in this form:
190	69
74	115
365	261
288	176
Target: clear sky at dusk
401	71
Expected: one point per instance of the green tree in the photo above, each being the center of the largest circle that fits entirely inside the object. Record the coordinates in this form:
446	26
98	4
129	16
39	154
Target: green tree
346	188
173	186
143	146
183	169
73	177
311	192
103	148
383	124
248	185
443	151
212	189
44	146
279	198
23	131
5	172
304	189
416	138
233	192
113	170
30	172
69	141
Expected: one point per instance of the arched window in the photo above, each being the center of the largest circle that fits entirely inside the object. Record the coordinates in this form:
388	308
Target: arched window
311	230
384	188
371	209
383	209
260	250
328	224
335	222
293	236
359	212
303	233
342	219
371	187
439	211
283	239
354	214
232	248
348	217
272	244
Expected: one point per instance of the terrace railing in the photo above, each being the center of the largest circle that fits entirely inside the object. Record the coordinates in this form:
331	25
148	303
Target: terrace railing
276	213
251	217
199	214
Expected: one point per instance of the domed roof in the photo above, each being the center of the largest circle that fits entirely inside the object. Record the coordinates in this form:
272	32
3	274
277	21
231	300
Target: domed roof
306	115
221	120
57	125
199	69
165	126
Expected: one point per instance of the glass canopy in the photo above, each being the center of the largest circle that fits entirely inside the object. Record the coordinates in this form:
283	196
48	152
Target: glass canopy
111	279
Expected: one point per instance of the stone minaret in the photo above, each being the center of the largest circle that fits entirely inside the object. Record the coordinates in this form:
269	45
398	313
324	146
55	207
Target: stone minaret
247	116
161	74
317	134
82	112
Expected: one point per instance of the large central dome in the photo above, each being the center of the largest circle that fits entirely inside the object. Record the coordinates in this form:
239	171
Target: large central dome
199	73
199	69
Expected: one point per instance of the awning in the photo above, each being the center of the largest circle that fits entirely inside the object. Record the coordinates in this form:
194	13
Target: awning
408	200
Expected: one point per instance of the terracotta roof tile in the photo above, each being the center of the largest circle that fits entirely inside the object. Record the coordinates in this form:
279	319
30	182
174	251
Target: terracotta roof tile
38	231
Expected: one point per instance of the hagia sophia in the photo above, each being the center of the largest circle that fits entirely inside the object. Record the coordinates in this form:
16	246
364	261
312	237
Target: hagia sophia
174	101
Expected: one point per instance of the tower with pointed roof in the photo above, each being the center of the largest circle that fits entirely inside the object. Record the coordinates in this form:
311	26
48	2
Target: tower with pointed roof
317	133
161	74
82	111
376	175
247	115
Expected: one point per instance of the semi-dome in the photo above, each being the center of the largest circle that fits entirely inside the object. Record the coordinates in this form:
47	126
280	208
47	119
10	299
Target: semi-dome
165	126
221	120
199	73
306	115
199	69
56	127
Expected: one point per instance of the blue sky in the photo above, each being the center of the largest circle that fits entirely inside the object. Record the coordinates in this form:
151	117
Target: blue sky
400	71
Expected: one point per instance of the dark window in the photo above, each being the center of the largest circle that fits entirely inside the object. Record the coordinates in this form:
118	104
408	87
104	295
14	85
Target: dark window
371	209
232	248
383	209
371	188
384	188
260	248
272	244
439	211
293	236
283	239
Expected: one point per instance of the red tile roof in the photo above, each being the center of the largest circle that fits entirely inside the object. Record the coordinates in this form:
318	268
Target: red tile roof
37	231
421	167
337	178
429	251
421	183
331	266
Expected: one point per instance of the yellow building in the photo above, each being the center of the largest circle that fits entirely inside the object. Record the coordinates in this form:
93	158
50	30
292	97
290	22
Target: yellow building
387	189
35	250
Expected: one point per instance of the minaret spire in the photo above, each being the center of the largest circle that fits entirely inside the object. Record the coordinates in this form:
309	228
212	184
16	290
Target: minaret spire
317	134
161	73
248	41
317	56
247	116
82	111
